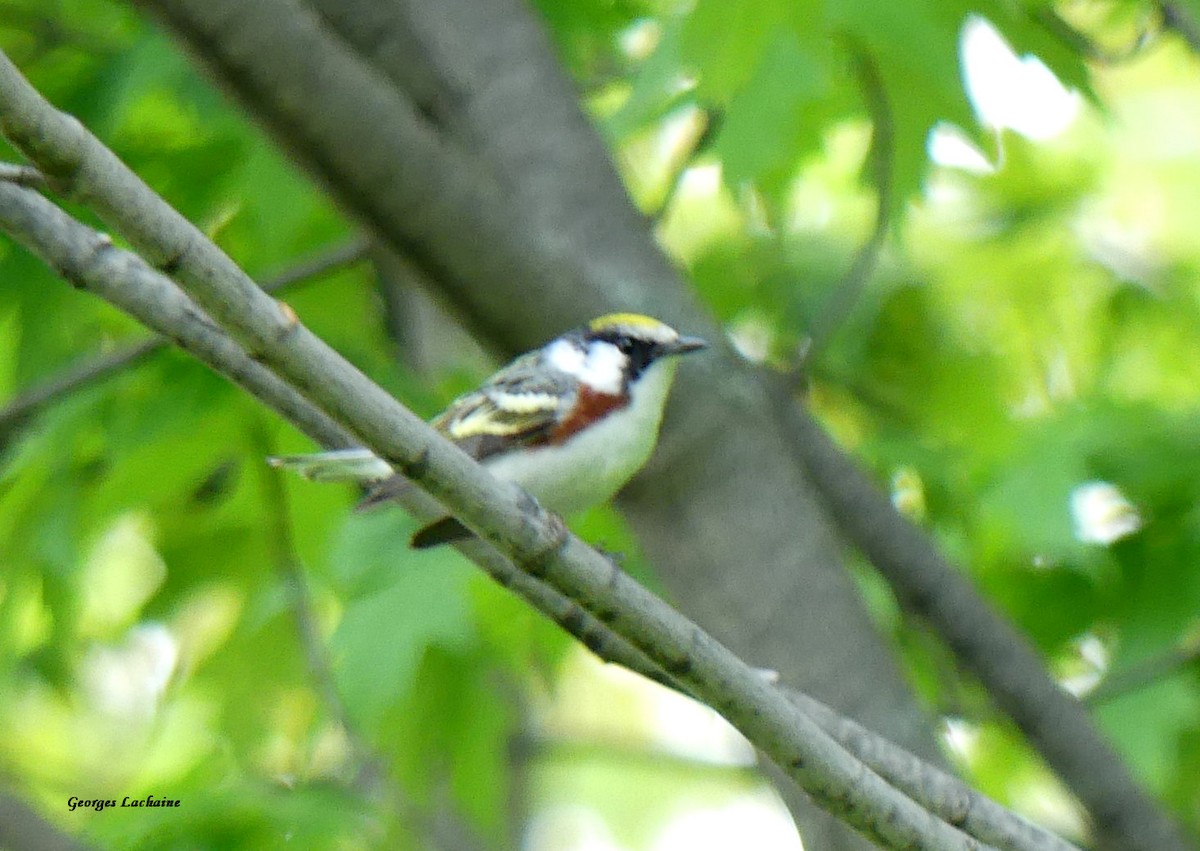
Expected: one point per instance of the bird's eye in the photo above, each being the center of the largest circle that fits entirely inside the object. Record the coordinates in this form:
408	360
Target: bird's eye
625	345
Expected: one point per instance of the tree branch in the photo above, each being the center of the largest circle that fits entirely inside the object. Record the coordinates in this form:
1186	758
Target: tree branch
709	121
927	585
281	544
1178	19
396	282
22	175
74	378
50	30
447	830
1147	673
374	150
498	512
493	85
21	407
1087	47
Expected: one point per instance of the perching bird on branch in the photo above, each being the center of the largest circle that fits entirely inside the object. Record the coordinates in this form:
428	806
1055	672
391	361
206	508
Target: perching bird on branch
570	422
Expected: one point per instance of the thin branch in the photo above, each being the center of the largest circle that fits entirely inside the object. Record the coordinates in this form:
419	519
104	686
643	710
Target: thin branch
323	263
927	585
396	282
1088	48
1178	19
52	31
281	542
519	755
610	748
880	161
19	409
92	263
95	370
498	512
1149	672
22	175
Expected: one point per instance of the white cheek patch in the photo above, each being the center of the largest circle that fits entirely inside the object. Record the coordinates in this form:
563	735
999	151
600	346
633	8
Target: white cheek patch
567	357
605	367
602	366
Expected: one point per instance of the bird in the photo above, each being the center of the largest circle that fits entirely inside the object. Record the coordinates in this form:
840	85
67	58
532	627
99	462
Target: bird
570	422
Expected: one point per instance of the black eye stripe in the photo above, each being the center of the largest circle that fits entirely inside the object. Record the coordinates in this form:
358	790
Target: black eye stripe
639	352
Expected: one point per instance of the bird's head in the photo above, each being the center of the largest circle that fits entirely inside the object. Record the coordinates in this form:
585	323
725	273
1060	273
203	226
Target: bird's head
640	340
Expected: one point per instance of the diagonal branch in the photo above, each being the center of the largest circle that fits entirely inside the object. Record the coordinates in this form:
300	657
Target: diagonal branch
19	409
95	370
446	831
1089	49
926	584
22	175
489	76
374	150
1147	673
1177	18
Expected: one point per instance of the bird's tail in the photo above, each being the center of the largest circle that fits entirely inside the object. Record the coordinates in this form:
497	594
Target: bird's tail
340	465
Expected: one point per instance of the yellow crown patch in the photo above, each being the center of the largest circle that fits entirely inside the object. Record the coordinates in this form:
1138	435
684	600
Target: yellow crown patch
632	320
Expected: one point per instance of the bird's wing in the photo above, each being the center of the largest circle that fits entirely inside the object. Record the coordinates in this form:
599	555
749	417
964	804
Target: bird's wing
517	406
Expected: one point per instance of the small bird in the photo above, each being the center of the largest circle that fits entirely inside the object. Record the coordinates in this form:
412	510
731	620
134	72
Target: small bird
570	422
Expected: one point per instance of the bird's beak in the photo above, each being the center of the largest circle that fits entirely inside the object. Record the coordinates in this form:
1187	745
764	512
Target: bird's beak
687	344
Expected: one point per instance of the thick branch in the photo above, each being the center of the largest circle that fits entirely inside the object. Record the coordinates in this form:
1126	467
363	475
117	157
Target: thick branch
487	72
927	585
373	149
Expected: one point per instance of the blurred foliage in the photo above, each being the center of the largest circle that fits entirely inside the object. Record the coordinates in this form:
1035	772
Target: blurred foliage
1031	328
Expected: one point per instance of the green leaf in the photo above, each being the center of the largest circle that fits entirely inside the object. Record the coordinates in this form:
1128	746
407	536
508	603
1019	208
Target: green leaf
407	603
778	116
1147	726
